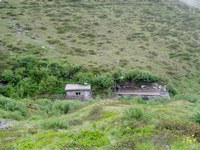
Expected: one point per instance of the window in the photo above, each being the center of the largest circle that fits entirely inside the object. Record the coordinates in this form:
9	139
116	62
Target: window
78	93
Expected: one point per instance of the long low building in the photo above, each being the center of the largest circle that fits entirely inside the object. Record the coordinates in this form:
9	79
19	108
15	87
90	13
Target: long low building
145	92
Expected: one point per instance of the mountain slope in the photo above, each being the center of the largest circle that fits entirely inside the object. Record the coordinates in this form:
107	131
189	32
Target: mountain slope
161	36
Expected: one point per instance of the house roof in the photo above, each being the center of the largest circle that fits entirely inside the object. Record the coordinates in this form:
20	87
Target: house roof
71	87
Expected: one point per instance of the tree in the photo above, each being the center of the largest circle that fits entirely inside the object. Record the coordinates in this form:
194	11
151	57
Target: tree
103	81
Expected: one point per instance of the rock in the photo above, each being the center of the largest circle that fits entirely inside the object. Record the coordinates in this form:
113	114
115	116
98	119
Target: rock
2	123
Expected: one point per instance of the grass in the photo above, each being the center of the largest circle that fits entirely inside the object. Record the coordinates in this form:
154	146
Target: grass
106	124
153	35
130	35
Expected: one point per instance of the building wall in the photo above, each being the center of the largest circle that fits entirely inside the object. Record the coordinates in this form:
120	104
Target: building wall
145	97
83	95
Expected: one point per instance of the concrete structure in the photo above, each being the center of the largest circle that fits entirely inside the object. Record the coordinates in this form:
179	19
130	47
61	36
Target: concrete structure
145	91
78	91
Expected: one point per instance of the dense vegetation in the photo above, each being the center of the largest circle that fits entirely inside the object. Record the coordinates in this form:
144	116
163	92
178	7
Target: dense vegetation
30	77
155	35
45	44
100	124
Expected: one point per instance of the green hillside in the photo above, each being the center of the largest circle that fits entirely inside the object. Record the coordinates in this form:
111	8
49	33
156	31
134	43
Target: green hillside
45	44
100	124
155	35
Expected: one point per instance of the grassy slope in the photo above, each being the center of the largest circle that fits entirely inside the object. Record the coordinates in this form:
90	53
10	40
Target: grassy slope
100	125
157	36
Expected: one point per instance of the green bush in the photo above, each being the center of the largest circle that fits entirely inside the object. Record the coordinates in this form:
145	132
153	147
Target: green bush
196	116
16	115
125	143
172	90
181	128
83	77
31	76
88	138
54	123
7	75
103	81
11	105
136	113
141	76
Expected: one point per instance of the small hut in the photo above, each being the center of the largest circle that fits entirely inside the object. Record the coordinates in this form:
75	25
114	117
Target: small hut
78	91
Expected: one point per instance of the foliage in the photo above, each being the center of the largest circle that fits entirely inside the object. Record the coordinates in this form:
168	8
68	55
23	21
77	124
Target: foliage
189	129
90	138
49	108
172	90
136	113
7	75
15	115
47	139
196	116
126	143
105	125
31	76
64	106
12	106
103	81
83	77
141	76
117	75
54	123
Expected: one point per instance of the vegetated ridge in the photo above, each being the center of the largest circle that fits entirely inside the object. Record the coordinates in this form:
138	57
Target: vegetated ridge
155	35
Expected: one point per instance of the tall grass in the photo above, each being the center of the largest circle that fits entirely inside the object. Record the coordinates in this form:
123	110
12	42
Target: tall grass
135	113
11	108
54	123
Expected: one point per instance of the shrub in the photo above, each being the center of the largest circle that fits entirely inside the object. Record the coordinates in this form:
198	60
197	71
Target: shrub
26	61
141	76
43	140
127	143
54	123
196	116
136	113
172	90
12	106
26	87
61	107
7	75
82	78
16	115
50	108
182	128
103	81
89	138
